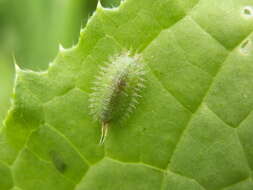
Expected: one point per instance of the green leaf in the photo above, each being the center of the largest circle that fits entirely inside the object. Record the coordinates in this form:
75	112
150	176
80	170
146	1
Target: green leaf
41	25
193	127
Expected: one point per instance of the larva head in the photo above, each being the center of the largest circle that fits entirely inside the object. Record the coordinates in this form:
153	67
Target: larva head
116	89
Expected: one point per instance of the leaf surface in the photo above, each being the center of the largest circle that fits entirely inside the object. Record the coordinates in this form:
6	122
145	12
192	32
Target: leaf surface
191	130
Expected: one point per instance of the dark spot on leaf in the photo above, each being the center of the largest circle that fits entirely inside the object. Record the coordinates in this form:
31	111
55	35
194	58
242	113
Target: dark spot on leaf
58	161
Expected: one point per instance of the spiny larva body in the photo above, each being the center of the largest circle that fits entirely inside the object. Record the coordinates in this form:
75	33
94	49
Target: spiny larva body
116	90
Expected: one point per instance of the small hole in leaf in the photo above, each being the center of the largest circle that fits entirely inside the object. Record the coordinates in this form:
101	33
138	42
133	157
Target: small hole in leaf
247	11
110	3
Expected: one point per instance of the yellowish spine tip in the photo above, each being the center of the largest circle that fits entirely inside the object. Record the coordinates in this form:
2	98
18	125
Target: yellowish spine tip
17	68
104	131
99	5
61	48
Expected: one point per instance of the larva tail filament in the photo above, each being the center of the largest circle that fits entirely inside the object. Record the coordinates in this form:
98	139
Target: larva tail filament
104	131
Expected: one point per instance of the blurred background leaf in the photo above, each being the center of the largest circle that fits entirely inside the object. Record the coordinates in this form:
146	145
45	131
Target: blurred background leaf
41	25
31	30
6	81
6	48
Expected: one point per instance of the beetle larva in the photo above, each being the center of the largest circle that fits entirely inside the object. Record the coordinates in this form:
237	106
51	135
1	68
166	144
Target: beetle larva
116	90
